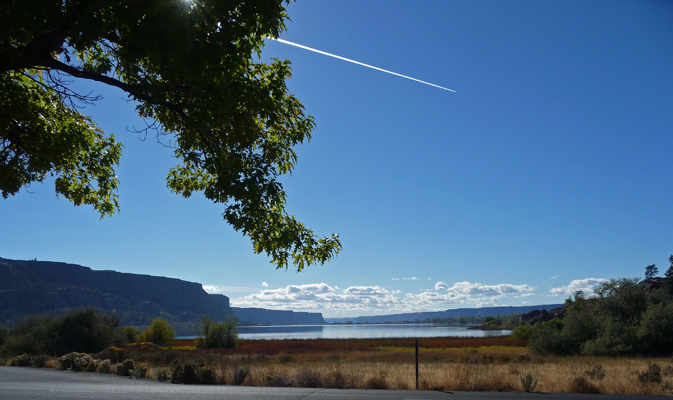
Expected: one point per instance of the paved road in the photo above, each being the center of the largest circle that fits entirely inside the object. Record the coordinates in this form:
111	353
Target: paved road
19	383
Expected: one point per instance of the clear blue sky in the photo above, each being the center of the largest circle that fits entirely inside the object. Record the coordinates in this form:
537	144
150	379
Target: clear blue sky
552	163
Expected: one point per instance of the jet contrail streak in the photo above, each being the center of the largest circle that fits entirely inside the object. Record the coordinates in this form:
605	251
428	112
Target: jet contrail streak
359	63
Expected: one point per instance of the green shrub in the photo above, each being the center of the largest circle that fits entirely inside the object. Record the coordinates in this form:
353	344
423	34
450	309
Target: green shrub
651	375
33	335
206	376
615	338
39	360
655	332
159	332
4	333
69	361
81	331
523	332
114	354
579	326
183	373
240	375
218	335
85	331
104	367
78	362
547	339
491	321
124	368
140	372
528	382
130	334
162	376
20	361
89	365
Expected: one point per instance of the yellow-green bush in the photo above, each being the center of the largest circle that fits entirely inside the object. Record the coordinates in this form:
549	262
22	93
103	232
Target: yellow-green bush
159	332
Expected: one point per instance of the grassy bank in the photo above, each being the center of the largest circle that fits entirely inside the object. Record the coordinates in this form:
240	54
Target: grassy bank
481	364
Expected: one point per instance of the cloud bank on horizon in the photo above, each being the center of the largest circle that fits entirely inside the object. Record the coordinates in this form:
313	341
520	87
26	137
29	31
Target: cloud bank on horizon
332	300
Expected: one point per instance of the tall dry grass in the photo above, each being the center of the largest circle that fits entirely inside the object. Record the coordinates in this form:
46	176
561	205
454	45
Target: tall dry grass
388	370
460	364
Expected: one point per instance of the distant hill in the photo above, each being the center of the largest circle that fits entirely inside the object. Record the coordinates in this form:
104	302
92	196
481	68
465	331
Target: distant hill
455	313
277	317
42	287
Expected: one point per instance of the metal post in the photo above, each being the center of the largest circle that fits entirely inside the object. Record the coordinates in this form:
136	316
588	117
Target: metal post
416	364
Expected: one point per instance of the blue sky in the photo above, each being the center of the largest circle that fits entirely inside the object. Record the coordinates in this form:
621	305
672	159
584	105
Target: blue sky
549	169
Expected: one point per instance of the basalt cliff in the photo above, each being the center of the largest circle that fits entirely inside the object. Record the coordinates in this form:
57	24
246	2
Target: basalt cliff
43	287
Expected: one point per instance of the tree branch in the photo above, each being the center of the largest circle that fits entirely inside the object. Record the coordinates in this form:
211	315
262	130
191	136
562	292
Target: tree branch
134	90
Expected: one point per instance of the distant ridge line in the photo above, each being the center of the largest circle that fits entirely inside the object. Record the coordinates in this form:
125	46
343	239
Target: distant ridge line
454	313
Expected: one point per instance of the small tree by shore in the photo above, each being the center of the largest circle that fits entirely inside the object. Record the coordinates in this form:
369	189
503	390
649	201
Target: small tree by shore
159	332
222	335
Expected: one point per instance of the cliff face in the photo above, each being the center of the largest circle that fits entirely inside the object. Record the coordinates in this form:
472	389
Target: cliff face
42	287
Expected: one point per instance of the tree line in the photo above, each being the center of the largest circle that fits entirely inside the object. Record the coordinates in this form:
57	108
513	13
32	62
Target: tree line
622	317
89	331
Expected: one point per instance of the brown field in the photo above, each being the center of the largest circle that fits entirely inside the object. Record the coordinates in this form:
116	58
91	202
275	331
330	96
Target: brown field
479	364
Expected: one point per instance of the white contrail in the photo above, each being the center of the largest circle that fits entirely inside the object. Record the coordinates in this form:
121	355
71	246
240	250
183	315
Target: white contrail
358	63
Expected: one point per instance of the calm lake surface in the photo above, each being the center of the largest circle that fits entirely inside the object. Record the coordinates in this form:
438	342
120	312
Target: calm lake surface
358	331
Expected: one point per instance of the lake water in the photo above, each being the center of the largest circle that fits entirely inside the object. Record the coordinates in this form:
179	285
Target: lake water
358	331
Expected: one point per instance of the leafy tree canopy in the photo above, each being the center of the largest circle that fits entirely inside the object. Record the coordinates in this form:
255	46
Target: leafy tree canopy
189	65
651	271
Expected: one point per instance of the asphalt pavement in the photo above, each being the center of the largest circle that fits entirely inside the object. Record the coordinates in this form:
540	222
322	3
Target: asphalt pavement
23	383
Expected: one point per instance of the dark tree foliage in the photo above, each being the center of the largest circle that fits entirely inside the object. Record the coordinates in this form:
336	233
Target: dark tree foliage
669	276
222	335
651	271
622	318
82	331
190	68
85	331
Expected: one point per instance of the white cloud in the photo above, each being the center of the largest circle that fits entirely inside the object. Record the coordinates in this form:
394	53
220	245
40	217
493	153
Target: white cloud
356	299
321	296
210	288
396	279
410	279
228	289
467	288
265	284
585	285
430	299
366	290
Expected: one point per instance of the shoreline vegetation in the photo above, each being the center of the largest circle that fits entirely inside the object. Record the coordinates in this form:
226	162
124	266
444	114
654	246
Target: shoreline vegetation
449	363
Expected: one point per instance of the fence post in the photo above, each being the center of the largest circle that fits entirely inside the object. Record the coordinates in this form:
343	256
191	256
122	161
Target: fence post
416	364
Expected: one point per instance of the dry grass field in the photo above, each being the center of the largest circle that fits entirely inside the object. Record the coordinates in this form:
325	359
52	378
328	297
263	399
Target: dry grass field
472	364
